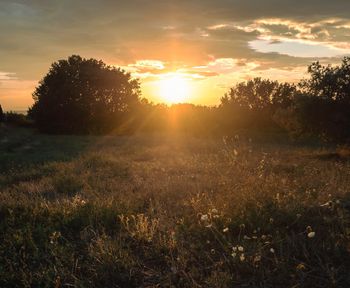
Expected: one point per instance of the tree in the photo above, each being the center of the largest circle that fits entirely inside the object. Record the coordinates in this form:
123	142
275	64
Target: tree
252	104
81	95
323	106
324	109
259	94
329	82
2	115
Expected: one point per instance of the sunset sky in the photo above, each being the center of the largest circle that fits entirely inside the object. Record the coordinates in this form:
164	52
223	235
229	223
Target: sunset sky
202	47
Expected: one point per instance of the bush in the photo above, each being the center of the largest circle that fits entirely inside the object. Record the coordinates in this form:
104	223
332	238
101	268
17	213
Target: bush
17	119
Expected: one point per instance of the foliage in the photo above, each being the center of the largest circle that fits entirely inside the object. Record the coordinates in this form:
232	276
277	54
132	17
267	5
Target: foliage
329	82
326	118
259	94
178	118
87	96
17	119
318	107
81	95
322	108
252	104
2	115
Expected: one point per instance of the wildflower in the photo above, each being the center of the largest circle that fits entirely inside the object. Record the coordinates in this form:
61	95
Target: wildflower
263	237
272	250
240	248
257	258
309	232
225	230
298	215
214	211
245	237
300	266
329	203
242	257
54	237
204	217
234	248
271	220
233	254
212	251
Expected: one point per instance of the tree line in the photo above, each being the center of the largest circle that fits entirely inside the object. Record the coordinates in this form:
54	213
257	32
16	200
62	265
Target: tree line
86	96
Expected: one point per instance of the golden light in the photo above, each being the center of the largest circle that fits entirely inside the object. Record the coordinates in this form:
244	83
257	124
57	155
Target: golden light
174	89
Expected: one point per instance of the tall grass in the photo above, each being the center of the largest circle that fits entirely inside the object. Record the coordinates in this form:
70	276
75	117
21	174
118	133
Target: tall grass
150	211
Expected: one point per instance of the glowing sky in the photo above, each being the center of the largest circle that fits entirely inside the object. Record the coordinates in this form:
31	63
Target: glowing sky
209	45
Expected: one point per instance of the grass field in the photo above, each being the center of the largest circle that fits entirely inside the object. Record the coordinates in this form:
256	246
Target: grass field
171	211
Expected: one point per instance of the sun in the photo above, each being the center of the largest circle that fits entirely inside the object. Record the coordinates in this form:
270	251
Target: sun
174	89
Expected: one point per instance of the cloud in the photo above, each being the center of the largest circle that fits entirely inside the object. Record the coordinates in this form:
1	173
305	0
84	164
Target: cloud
15	94
5	76
153	37
298	48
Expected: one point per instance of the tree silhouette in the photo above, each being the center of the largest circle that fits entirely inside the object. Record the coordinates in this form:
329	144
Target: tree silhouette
81	95
324	108
329	82
252	104
2	115
259	94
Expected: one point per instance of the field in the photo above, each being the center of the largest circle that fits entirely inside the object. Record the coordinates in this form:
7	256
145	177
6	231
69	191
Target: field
171	211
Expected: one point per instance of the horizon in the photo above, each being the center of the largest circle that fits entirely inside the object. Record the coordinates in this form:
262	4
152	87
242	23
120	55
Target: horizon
183	52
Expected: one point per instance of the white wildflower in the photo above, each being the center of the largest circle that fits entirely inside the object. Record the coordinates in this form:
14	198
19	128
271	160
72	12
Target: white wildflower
204	217
242	257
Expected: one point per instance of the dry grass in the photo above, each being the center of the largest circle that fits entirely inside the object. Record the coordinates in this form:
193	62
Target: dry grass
171	211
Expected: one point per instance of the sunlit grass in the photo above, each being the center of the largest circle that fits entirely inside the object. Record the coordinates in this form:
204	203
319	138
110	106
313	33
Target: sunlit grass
151	211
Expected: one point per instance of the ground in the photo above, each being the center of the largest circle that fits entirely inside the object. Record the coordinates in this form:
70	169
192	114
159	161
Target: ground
171	211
